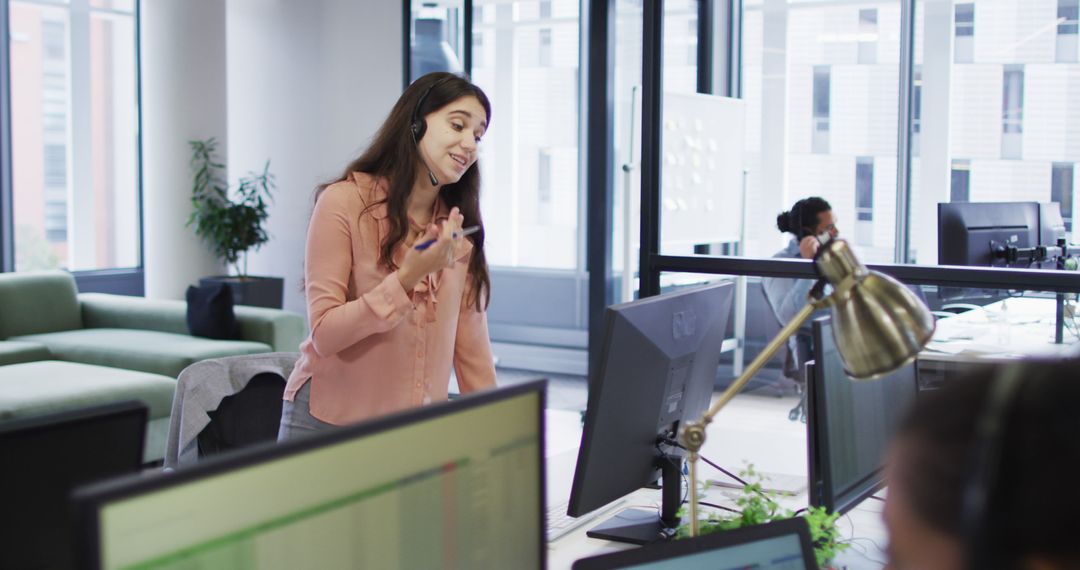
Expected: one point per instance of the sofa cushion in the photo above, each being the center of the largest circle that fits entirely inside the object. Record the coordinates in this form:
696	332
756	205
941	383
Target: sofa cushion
149	351
38	302
34	388
14	352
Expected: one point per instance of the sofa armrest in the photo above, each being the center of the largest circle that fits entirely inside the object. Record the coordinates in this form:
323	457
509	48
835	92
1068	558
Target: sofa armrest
282	330
101	310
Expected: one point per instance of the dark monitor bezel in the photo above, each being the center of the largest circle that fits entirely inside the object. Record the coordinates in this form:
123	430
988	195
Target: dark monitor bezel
90	499
578	502
51	421
821	493
72	421
724	539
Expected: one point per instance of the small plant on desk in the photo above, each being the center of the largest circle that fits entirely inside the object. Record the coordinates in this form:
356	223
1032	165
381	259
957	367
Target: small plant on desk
759	506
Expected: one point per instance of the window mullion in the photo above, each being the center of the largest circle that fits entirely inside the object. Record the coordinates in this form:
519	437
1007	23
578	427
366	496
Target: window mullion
81	208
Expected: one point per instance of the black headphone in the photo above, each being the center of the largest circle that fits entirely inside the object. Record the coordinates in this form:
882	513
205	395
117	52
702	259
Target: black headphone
419	125
986	464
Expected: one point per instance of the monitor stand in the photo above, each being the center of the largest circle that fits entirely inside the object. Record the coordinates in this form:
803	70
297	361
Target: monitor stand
640	526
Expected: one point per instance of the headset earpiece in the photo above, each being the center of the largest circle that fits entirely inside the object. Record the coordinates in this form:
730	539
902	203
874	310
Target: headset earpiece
419	125
418	128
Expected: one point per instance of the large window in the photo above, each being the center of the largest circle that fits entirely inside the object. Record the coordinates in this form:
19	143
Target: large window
821	84
436	37
74	134
526	59
1004	125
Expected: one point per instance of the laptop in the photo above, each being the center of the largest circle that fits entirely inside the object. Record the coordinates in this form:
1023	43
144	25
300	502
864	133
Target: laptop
781	545
45	458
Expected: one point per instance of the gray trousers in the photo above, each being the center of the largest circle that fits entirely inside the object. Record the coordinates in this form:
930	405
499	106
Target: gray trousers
296	418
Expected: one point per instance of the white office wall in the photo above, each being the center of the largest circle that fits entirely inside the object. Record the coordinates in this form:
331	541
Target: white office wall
183	98
308	85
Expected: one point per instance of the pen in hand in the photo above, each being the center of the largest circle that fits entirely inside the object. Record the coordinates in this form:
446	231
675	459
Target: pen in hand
464	232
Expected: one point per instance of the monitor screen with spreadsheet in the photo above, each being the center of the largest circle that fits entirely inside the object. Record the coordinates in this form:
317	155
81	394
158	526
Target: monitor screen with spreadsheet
454	485
781	545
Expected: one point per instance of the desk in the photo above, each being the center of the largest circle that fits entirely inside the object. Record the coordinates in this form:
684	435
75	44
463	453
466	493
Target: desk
1001	331
751	429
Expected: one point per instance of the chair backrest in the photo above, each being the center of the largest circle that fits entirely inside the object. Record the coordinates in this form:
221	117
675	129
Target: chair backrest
250	416
35	302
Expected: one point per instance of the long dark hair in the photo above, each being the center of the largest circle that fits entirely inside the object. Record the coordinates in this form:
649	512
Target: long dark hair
393	156
1037	449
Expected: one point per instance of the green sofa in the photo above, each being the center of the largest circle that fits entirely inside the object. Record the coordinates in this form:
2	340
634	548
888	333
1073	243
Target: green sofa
60	349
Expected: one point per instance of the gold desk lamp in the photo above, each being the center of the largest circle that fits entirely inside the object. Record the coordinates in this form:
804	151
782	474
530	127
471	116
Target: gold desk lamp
879	326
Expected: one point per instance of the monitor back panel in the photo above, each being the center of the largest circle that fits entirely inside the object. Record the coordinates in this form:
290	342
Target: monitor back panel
658	367
850	424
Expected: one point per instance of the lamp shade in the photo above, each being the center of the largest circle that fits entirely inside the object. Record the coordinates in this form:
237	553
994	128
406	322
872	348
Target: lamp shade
878	323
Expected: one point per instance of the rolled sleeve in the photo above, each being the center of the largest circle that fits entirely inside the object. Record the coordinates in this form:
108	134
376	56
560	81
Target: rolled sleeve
473	360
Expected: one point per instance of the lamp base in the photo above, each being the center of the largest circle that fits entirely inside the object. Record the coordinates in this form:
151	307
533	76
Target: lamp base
636	526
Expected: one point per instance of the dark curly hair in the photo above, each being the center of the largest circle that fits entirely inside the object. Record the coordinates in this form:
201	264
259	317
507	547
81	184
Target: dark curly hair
802	218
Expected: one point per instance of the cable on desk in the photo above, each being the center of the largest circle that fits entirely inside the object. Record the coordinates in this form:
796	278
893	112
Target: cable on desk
675	443
724	471
721	507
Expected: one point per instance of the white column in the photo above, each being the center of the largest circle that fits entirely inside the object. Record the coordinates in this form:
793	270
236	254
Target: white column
309	83
183	98
934	140
81	207
774	108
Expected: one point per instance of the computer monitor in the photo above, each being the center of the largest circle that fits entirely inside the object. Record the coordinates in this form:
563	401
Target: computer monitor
45	458
849	424
452	485
658	364
781	545
973	233
1051	223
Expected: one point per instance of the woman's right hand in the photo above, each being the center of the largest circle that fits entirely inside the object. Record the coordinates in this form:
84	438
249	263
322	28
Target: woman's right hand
437	256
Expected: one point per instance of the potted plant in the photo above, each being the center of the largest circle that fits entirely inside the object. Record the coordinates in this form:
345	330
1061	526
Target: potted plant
758	506
231	225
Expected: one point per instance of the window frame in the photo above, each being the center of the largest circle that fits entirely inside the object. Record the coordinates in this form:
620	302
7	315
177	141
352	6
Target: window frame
653	263
118	280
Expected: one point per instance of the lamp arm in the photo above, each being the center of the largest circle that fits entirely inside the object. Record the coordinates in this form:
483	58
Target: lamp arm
693	433
762	358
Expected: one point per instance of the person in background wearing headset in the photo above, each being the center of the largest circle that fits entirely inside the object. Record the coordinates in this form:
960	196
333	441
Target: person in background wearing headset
981	473
396	292
807	219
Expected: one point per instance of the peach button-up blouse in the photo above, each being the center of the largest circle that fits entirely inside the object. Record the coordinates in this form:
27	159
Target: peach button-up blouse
375	348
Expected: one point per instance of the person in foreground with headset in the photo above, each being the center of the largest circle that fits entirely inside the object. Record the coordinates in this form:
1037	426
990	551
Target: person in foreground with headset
980	473
396	286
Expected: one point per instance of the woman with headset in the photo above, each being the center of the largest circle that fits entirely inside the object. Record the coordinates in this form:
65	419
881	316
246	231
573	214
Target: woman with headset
395	275
981	473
